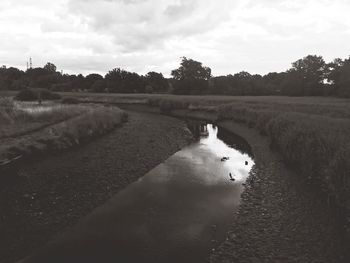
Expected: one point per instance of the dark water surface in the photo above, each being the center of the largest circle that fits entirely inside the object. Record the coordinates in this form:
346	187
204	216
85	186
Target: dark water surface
178	212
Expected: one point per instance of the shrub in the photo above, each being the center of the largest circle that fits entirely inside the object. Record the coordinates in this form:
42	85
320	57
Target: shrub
26	95
33	95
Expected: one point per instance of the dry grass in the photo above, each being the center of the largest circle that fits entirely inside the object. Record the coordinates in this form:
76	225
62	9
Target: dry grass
18	118
94	122
13	111
26	127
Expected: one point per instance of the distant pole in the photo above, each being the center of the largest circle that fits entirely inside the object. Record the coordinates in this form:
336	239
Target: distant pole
30	63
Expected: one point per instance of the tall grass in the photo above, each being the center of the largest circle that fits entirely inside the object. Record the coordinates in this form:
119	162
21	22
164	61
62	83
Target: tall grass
18	112
95	122
49	113
8	111
76	130
317	146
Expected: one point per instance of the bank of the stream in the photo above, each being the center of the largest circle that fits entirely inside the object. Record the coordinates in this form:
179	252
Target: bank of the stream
281	218
54	193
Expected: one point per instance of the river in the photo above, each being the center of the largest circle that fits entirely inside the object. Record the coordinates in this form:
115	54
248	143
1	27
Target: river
178	212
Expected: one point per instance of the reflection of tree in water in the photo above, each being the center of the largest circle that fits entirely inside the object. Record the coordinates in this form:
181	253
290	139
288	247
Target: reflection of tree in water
199	129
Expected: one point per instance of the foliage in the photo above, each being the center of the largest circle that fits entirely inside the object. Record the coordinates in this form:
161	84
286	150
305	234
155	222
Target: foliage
156	82
191	69
339	76
191	77
308	76
50	67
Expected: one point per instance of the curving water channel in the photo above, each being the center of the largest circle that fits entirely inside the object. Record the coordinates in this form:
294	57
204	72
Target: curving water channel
178	212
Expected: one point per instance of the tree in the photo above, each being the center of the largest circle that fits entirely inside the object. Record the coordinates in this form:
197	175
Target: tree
156	81
339	76
292	84
191	69
312	70
191	77
91	79
50	67
99	86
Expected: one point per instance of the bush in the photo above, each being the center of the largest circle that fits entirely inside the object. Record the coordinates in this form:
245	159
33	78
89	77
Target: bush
33	95
26	95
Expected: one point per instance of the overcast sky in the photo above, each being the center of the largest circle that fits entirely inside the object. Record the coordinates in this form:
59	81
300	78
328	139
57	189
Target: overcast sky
84	36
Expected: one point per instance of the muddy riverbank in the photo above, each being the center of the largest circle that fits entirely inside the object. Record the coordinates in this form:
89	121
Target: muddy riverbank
54	193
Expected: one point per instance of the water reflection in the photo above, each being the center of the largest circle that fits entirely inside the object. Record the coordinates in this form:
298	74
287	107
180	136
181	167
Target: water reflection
178	212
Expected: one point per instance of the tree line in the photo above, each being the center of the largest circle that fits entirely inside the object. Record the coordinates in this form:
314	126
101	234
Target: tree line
115	81
309	76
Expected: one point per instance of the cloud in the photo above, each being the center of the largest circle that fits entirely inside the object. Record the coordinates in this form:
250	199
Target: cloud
142	35
140	25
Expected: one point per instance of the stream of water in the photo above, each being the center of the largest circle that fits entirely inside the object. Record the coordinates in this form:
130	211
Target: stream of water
178	212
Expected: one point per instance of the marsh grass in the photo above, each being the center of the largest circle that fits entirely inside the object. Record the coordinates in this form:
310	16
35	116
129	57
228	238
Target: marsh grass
73	131
51	112
315	144
18	118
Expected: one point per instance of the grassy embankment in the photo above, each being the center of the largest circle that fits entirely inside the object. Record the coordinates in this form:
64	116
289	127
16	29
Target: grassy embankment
26	128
